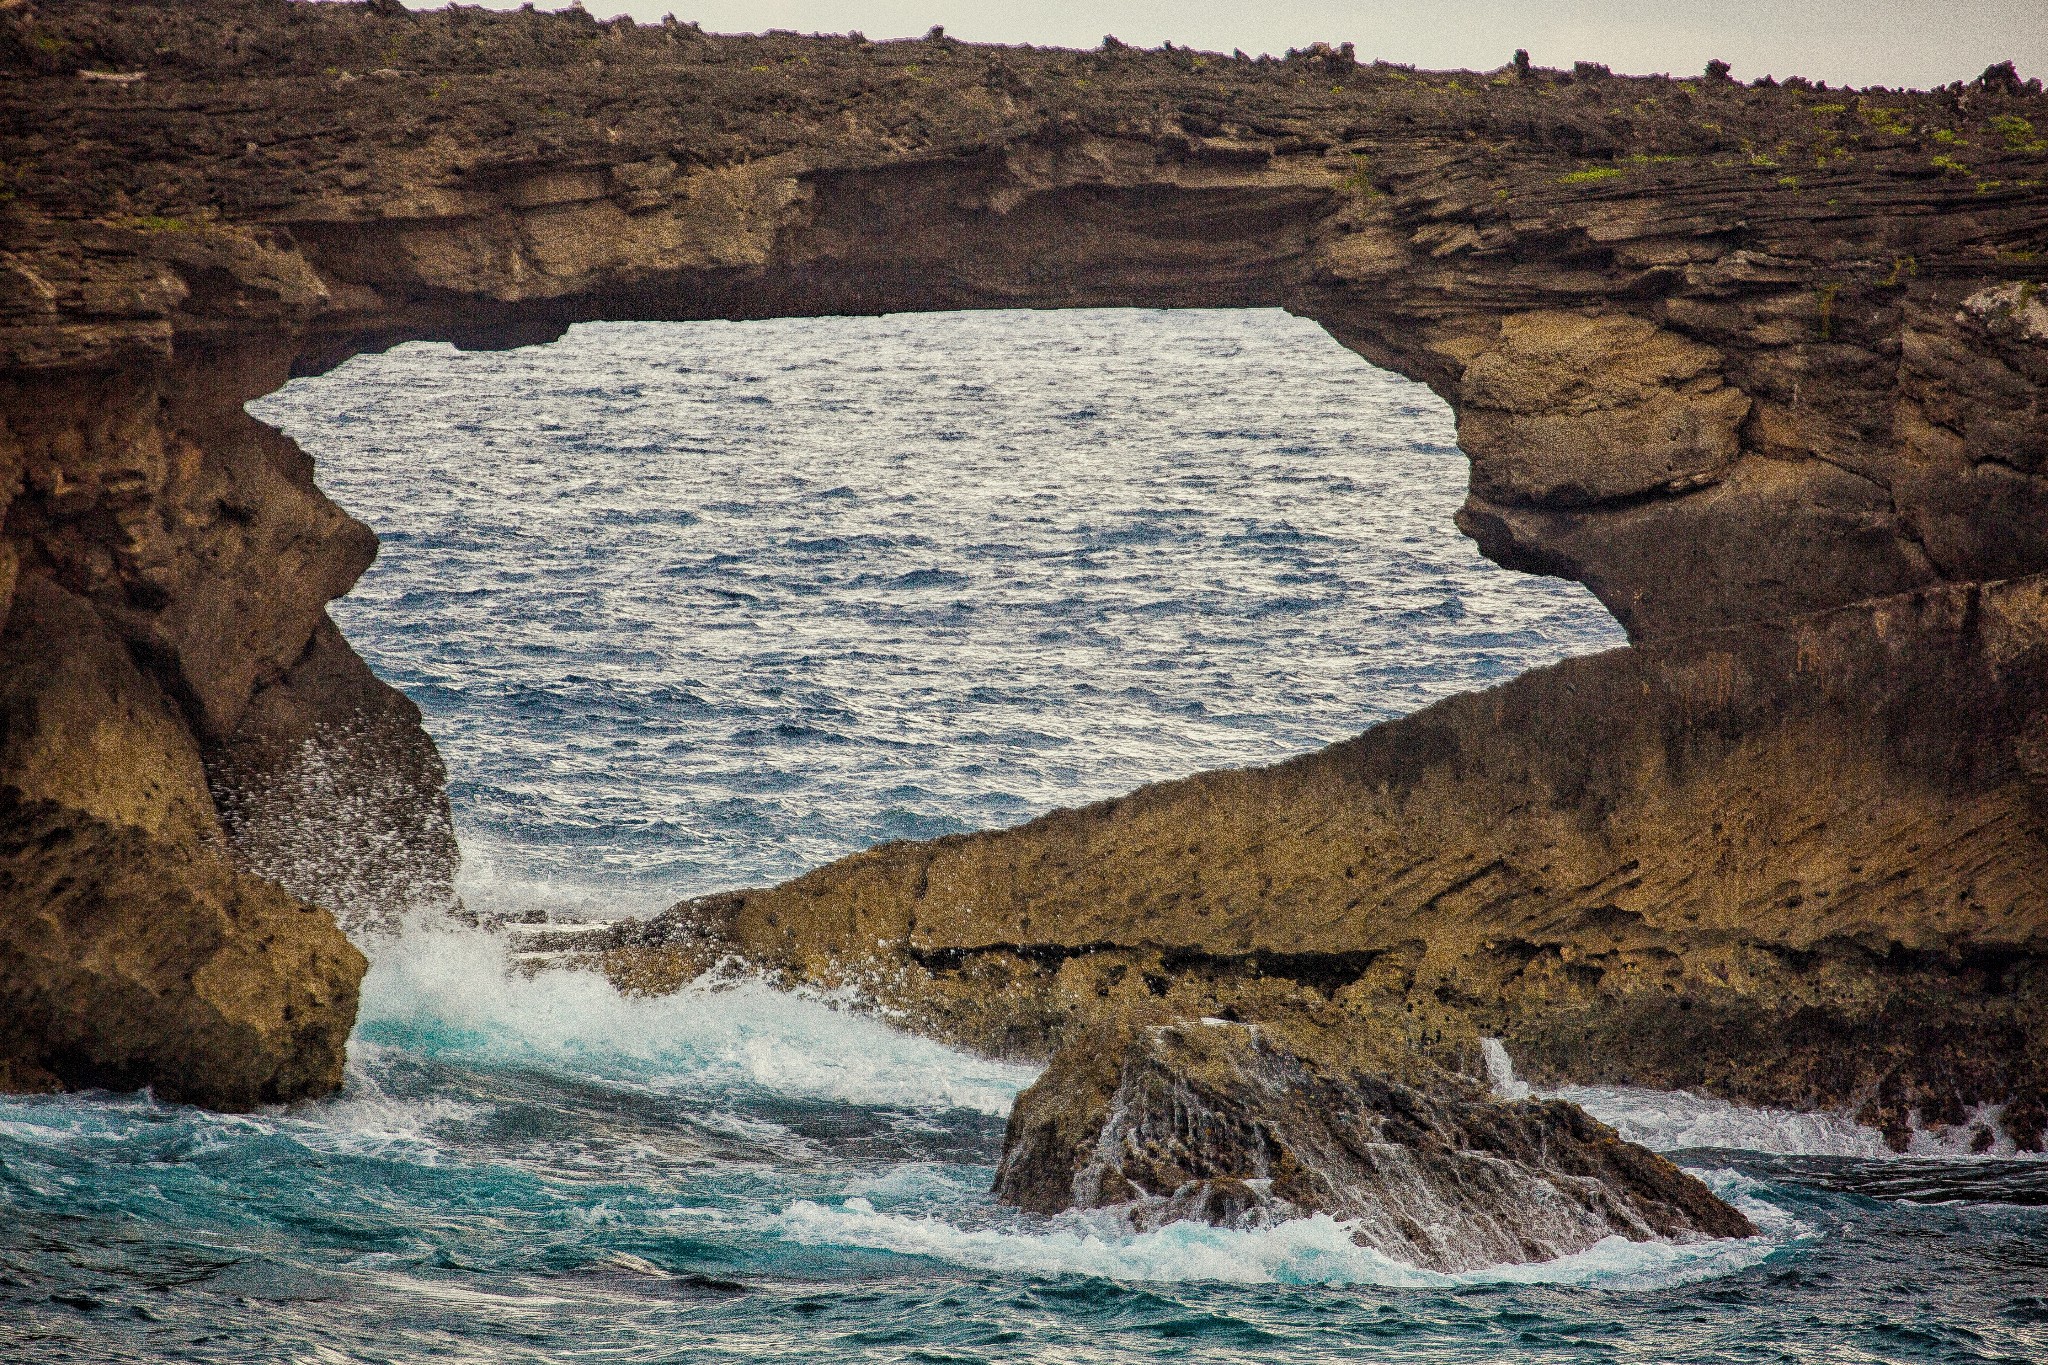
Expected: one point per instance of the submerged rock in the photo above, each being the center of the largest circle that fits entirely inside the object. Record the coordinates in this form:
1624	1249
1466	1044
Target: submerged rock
1245	1125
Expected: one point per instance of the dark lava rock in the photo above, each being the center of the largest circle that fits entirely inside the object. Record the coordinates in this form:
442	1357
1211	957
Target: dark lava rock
1245	1125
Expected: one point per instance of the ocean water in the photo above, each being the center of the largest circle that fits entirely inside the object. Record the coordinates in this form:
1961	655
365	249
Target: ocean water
696	606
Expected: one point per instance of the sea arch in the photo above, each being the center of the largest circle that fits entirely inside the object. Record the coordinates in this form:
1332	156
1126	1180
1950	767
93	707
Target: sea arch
1723	354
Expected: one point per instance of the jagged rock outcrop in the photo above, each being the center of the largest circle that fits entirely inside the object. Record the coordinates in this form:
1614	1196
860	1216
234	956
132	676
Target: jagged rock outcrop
1801	863
129	960
1247	1125
131	952
1725	354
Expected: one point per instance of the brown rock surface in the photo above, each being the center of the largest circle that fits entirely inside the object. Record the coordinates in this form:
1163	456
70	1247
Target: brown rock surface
1720	352
80	724
131	953
1248	1125
129	960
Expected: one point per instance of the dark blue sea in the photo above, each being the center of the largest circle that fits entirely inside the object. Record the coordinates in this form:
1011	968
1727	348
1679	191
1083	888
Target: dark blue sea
699	606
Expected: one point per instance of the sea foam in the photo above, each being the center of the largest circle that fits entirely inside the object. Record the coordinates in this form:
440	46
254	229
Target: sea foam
443	989
1677	1120
1301	1251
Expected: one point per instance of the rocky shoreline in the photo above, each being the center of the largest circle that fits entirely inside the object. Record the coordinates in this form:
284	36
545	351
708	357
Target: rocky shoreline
1798	864
1762	366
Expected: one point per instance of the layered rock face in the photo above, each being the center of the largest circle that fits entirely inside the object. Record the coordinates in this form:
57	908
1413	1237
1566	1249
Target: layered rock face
1721	353
1244	1125
1800	863
1730	356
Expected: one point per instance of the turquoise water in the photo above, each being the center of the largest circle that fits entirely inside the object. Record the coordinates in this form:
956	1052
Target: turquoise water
699	606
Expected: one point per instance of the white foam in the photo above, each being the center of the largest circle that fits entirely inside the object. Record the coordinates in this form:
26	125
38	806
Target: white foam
1666	1121
1301	1251
366	1120
1500	1069
449	988
1676	1120
493	874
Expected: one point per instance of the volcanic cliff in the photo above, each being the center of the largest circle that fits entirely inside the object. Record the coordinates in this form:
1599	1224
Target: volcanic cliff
1763	366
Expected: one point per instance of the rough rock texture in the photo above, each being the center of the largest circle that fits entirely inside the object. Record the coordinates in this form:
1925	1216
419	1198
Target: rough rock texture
84	726
1246	1125
1724	354
131	952
128	960
1800	863
1719	352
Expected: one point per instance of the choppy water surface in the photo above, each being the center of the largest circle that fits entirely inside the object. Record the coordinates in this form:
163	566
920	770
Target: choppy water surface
698	606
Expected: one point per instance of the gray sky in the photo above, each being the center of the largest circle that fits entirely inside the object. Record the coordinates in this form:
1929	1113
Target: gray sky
1871	42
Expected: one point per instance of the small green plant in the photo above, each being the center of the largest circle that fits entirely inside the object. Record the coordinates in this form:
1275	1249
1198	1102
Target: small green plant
1884	119
1359	182
1987	186
1762	162
2023	255
1948	165
1948	137
1903	269
1790	182
1592	175
1822	110
2018	134
1824	299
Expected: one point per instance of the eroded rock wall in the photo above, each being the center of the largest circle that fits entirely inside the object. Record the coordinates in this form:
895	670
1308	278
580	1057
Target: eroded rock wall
132	951
1720	352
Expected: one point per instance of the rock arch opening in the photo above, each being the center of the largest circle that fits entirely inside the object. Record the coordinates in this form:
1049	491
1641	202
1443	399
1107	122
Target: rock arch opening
693	606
